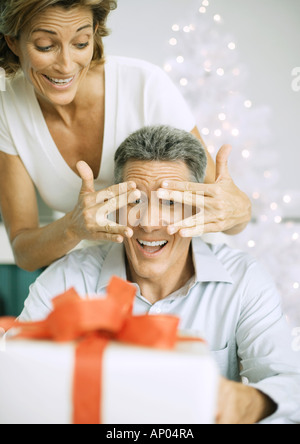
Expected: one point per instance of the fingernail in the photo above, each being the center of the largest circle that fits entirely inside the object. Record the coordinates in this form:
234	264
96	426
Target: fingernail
132	185
163	193
165	184
184	233
128	233
172	230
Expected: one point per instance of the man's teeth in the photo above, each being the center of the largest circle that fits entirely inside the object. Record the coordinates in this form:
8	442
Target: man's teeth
153	244
60	81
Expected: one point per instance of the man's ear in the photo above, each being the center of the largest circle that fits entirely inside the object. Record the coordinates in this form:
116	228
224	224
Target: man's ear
13	44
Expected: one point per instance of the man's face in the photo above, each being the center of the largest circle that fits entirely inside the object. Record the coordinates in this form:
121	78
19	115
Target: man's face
152	253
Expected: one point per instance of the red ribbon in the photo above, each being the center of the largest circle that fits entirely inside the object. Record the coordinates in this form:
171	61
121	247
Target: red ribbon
94	323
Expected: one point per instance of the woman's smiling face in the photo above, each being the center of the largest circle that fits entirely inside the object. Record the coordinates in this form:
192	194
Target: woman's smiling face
56	51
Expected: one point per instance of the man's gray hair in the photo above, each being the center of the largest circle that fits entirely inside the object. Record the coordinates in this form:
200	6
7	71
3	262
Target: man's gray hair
162	143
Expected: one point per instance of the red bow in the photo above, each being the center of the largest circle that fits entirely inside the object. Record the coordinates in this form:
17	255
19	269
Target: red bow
94	323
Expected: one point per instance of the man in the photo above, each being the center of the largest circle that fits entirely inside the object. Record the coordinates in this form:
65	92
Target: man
219	291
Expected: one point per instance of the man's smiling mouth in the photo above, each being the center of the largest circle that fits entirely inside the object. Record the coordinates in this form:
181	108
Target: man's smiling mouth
152	247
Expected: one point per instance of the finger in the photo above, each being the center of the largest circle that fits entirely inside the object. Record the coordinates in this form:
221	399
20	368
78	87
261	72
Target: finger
112	206
190	198
195	231
109	228
87	177
115	190
190	222
130	197
101	236
206	189
118	202
213	227
222	162
192	232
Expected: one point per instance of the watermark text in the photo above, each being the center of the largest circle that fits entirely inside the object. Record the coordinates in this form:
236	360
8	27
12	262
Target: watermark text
296	79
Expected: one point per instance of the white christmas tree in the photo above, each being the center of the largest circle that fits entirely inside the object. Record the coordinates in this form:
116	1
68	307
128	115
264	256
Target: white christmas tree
204	63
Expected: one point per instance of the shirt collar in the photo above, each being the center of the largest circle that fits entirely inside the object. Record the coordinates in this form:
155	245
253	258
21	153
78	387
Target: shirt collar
208	267
114	265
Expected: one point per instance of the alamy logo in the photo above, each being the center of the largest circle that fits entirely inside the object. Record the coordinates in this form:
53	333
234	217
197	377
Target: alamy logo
2	80
296	80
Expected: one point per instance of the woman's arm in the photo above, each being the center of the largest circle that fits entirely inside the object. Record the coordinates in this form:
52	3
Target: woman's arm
35	247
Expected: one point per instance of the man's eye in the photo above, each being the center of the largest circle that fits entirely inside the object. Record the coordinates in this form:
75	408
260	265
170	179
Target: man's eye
168	203
136	202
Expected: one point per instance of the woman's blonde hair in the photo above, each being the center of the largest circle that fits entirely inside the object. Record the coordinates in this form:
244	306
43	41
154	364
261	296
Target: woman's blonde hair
15	15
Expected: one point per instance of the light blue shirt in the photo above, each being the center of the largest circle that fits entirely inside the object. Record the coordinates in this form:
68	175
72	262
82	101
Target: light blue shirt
231	300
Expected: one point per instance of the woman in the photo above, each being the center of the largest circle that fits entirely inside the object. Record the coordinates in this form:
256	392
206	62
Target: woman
64	113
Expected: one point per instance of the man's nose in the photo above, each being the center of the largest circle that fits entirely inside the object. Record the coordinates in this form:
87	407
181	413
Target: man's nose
152	217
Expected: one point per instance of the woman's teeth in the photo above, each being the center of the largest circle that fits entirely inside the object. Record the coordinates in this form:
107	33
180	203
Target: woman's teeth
59	81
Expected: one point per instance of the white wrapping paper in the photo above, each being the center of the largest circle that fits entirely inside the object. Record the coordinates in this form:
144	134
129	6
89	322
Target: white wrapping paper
140	385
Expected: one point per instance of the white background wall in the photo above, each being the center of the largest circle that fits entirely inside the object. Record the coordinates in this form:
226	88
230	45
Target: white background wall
267	33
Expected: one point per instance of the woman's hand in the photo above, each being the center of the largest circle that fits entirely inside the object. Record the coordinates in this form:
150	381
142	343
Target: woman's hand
226	208
89	219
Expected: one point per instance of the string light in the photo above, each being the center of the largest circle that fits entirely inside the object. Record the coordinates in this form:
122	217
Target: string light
220	72
246	154
183	81
202	10
186	29
180	59
251	244
173	41
287	199
274	206
217	18
176	28
231	46
248	104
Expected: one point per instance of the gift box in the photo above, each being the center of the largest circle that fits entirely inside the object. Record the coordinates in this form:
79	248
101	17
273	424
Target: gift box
72	368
